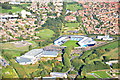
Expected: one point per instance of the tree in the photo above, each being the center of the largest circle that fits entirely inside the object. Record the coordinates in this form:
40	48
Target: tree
105	58
6	6
92	56
107	50
2	51
77	63
30	47
43	73
67	62
10	13
40	44
84	72
79	18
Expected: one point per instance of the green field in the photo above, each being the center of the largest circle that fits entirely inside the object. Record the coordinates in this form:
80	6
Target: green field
113	52
12	46
13	10
74	7
45	33
70	25
13	53
25	5
90	76
101	74
70	43
110	46
9	72
19	69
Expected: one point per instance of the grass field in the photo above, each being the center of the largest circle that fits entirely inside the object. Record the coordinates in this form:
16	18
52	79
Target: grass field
19	69
30	68
13	53
113	52
9	72
111	46
13	10
101	74
74	7
45	34
11	46
25	5
70	43
90	76
71	25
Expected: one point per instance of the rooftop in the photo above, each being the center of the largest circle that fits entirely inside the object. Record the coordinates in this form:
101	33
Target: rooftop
34	52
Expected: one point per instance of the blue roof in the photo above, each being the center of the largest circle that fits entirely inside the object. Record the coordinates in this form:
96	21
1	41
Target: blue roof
49	53
23	60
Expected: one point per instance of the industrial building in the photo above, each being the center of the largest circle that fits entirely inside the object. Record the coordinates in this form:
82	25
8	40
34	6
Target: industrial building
83	41
106	37
58	75
34	55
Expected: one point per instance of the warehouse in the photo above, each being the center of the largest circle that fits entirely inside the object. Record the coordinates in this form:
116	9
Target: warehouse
58	75
34	55
106	37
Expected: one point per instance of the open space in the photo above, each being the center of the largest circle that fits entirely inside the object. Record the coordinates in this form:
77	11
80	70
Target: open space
111	46
114	53
25	5
101	74
74	6
70	25
9	72
17	46
71	43
45	33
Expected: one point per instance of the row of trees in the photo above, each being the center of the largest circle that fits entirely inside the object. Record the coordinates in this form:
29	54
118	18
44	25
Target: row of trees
96	65
5	6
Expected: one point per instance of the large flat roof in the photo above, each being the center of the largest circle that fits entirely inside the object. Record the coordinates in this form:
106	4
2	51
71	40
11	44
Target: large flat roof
22	59
50	53
34	52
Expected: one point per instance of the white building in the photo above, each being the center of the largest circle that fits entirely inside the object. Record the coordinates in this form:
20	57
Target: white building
14	2
58	75
9	16
60	41
86	41
24	13
112	62
30	57
83	41
106	37
34	55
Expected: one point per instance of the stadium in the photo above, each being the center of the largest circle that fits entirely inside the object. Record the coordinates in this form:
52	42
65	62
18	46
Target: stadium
83	41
